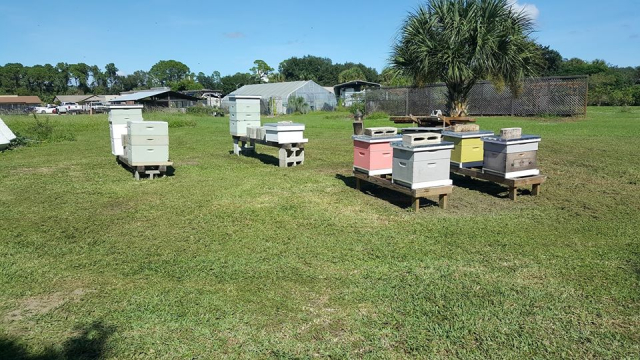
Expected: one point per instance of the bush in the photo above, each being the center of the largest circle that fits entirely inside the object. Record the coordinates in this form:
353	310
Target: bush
205	110
297	105
378	115
357	106
45	131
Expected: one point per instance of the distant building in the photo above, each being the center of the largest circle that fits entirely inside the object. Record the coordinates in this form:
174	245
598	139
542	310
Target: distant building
353	91
156	98
15	103
275	96
207	96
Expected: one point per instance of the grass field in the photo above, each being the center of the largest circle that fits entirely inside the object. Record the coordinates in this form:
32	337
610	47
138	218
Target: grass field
235	257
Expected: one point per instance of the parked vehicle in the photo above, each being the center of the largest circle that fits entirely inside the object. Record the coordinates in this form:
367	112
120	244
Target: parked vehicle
98	107
49	109
69	108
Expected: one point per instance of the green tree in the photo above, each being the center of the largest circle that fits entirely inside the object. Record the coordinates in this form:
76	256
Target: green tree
351	74
168	71
462	41
80	76
261	71
111	74
393	77
232	82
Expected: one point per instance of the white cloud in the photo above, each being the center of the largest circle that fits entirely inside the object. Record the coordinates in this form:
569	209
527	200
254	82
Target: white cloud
530	9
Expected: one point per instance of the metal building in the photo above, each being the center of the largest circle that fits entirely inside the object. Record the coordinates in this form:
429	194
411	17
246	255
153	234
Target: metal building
275	96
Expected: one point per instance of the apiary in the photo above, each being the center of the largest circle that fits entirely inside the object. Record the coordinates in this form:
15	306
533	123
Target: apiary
373	155
421	160
147	142
467	147
119	115
243	111
511	157
285	132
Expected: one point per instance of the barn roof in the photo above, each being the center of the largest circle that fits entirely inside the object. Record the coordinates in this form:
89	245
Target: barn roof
20	100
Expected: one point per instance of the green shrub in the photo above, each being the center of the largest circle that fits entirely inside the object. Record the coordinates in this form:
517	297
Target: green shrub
357	106
205	110
180	123
297	105
378	115
46	131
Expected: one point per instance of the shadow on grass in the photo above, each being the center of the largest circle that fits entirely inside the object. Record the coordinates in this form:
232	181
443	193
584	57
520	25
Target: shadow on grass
483	186
393	197
264	158
171	171
88	344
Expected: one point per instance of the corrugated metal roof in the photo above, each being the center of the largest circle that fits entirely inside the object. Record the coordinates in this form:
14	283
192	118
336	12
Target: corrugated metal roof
139	95
20	100
73	98
282	90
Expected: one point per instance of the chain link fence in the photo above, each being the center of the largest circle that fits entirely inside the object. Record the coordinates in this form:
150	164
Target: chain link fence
565	96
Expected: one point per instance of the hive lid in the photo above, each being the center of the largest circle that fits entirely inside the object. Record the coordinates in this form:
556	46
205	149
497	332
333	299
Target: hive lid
429	147
524	139
468	135
284	126
376	139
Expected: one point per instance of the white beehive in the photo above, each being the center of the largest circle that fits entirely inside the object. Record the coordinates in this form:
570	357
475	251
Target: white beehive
147	142
119	115
244	111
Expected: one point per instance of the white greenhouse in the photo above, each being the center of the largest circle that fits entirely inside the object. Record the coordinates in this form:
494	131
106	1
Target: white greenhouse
275	96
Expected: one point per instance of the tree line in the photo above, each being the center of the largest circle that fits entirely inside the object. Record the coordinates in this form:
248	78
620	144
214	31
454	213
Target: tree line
608	84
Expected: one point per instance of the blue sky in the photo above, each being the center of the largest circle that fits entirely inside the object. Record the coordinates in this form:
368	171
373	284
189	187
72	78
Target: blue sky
228	36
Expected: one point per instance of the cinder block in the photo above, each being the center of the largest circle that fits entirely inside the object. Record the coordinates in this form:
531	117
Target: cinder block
380	131
466	128
511	133
421	139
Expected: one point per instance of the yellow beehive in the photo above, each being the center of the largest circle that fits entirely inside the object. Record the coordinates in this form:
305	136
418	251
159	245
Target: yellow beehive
468	148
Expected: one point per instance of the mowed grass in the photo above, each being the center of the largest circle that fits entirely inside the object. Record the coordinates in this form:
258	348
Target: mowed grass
235	257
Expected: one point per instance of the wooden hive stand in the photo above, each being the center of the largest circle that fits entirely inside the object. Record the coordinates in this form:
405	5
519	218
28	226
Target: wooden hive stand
442	192
513	184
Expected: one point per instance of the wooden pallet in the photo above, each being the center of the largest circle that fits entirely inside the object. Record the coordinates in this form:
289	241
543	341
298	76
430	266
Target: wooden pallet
157	169
291	154
513	184
443	192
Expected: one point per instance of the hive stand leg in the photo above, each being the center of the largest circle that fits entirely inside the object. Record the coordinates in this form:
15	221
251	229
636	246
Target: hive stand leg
513	193
416	203
358	184
252	146
535	189
444	201
236	147
282	156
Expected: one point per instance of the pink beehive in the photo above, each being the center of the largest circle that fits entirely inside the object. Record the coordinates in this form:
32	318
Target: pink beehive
373	155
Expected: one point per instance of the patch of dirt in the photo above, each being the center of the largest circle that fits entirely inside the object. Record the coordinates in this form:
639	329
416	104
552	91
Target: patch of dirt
38	305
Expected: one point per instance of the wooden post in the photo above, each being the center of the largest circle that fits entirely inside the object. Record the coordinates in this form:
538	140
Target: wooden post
358	184
513	193
444	201
415	204
535	189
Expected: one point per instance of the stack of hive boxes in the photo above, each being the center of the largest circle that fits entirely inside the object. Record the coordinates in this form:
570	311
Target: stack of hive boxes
244	111
119	115
511	154
467	145
284	132
421	160
372	152
147	142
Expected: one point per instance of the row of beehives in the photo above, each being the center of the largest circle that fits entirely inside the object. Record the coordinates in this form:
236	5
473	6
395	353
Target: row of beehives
137	141
422	157
244	120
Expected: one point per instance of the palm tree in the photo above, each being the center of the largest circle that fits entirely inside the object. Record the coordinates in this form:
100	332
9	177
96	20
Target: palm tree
460	42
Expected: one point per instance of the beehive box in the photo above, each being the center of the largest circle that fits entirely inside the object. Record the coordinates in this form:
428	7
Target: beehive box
243	111
373	155
420	167
467	147
121	114
284	132
511	158
147	142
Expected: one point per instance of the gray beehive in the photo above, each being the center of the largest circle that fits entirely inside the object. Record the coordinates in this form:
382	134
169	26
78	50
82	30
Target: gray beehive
511	158
422	166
